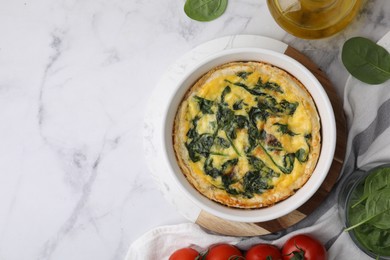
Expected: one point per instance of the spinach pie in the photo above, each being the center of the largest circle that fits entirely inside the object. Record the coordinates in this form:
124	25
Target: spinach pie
247	135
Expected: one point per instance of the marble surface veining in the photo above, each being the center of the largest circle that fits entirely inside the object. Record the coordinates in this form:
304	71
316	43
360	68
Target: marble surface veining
75	76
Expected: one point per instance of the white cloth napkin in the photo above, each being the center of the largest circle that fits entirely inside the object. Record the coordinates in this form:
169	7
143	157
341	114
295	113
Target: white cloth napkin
367	108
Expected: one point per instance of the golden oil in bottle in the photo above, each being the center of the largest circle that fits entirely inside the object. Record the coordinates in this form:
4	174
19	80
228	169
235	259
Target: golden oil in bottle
313	19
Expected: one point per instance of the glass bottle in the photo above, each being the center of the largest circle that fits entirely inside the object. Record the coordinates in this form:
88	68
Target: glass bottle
313	19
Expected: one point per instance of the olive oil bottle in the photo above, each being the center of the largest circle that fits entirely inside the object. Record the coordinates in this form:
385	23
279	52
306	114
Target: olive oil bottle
313	19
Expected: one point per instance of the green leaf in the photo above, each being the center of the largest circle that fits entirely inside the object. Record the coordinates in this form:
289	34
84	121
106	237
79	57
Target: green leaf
255	183
377	210
301	155
378	205
205	10
200	147
238	105
366	60
209	169
376	181
244	74
283	128
205	105
253	91
268	85
374	239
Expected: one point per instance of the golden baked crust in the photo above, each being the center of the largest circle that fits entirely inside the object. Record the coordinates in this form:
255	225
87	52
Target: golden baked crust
247	135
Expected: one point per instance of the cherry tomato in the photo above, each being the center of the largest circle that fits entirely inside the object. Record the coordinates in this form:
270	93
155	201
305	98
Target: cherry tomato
263	252
303	247
186	253
223	252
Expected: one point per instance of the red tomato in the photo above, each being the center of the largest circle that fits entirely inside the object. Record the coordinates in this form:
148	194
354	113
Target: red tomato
303	247
184	254
223	252
263	252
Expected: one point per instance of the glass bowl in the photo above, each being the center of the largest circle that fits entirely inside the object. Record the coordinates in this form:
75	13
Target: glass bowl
352	209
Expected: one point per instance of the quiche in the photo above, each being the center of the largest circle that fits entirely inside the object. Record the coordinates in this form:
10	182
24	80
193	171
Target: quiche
247	135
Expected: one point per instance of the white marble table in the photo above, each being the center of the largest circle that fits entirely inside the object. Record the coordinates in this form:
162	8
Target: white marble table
74	80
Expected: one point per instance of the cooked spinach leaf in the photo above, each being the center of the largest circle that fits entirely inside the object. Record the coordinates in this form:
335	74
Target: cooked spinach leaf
287	107
256	163
244	74
228	180
226	122
283	128
272	143
268	85
366	60
259	165
288	163
241	121
228	166
200	147
256	113
255	183
221	142
253	91
225	91
205	105
301	155
192	133
205	10
209	169
238	104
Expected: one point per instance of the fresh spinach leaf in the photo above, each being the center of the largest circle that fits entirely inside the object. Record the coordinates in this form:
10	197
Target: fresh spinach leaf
205	105
377	210
368	218
205	10
374	239
378	205
374	182
366	60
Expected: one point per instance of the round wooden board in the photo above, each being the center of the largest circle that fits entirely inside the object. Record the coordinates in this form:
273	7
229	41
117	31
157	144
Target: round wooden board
226	227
